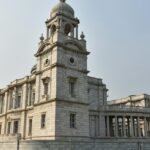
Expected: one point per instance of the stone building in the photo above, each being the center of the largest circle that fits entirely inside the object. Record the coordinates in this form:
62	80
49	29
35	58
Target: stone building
59	106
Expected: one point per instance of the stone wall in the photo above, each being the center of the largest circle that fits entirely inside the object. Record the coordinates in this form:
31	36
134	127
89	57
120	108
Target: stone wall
63	110
103	144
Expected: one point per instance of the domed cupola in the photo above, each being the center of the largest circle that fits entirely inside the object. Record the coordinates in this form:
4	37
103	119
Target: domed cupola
62	23
62	8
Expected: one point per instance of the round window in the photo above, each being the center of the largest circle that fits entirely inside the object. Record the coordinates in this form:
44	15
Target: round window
46	63
72	60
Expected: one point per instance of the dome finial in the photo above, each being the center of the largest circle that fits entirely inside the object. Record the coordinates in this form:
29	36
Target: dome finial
42	38
82	36
63	1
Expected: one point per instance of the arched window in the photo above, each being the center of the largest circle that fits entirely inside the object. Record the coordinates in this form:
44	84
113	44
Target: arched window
67	29
53	29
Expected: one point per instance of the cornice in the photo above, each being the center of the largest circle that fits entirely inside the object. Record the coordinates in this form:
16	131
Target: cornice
10	86
62	66
59	100
59	44
62	15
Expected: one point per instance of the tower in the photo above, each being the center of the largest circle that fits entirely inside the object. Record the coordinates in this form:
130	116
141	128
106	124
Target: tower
61	73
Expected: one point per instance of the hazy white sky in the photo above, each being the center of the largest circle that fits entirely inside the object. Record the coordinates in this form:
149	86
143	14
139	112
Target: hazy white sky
117	34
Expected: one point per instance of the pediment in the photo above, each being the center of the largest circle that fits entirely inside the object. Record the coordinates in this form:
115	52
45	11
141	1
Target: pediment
43	47
72	44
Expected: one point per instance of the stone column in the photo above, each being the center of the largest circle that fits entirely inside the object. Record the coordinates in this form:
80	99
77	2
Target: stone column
14	98
145	126
111	126
124	126
77	32
148	126
116	126
131	127
5	111
29	94
138	126
72	32
128	126
47	32
23	114
108	131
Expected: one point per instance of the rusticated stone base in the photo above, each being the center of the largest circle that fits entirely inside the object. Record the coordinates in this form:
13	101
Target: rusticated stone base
100	144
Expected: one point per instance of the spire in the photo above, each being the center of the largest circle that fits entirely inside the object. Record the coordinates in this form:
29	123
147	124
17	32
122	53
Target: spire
63	1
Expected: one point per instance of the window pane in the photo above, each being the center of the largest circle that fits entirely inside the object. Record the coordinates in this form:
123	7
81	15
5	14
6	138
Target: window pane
72	88
30	127
15	127
43	121
11	102
72	120
45	88
9	127
18	102
33	98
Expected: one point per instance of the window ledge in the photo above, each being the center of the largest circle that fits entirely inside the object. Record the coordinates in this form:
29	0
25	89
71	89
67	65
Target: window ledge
45	96
43	128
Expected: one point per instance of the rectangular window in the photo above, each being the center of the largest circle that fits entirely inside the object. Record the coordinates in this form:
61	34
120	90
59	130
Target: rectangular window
16	126
45	88
72	120
10	103
33	97
72	83
18	101
72	89
43	120
30	127
46	85
0	129
30	99
9	128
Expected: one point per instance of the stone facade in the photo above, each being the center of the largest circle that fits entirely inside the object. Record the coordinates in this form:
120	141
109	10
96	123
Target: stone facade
59	106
